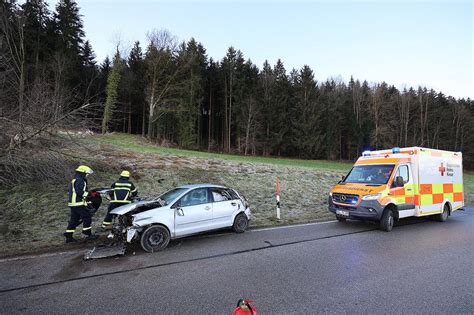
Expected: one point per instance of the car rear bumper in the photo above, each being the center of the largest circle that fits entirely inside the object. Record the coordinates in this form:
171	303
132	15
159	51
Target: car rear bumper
370	210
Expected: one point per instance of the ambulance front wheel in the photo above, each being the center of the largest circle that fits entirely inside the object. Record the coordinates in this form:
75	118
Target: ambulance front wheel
442	217
341	219
387	221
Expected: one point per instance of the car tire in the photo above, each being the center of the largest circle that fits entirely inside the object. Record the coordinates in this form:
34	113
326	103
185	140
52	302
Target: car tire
241	223
443	216
387	220
155	238
341	219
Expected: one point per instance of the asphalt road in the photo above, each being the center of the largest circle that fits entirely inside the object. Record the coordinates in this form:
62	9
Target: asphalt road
422	266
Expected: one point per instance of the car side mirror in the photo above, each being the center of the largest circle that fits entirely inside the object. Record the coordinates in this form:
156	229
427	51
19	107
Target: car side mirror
179	212
176	205
399	181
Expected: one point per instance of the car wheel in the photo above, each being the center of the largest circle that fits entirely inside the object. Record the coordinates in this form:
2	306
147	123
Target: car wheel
155	238
341	219
241	222
387	221
442	217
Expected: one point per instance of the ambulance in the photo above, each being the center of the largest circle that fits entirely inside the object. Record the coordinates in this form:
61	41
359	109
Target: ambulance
387	185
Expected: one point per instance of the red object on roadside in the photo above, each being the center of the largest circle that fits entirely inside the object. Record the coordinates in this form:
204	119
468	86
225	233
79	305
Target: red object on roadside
245	307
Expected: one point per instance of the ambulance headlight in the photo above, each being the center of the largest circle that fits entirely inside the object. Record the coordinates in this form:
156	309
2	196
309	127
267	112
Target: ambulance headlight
330	194
372	197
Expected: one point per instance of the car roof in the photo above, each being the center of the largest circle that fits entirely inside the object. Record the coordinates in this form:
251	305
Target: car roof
201	186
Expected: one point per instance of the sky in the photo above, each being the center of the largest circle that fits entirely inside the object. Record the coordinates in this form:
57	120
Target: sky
404	43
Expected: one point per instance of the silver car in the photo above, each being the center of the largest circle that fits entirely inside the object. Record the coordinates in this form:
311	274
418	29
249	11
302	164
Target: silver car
180	212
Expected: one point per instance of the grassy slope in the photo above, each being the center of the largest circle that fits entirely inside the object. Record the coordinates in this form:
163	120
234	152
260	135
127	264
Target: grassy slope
31	222
135	143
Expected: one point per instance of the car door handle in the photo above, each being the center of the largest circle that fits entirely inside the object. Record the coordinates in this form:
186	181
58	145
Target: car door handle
207	208
233	203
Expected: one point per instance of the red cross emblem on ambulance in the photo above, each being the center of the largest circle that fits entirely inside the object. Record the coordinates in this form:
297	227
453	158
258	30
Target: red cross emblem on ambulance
442	169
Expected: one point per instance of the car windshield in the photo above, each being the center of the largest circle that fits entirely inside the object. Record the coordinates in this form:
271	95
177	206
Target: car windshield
171	195
370	174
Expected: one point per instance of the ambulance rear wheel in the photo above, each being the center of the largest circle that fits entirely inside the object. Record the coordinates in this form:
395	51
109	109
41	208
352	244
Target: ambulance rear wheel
387	221
442	217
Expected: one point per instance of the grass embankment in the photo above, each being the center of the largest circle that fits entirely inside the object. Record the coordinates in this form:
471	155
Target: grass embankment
35	214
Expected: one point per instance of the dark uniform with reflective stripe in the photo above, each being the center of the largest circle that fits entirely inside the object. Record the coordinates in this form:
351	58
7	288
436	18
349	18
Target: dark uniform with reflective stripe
122	192
78	205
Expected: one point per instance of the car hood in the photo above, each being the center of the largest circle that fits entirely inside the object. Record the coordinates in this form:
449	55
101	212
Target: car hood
358	189
132	207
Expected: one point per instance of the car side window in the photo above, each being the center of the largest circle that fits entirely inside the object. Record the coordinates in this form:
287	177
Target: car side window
404	173
233	194
220	195
195	197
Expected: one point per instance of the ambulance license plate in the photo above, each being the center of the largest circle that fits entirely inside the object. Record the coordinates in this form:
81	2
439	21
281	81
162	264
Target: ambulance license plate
342	213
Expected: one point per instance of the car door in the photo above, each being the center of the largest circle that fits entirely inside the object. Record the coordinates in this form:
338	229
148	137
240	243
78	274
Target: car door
193	212
225	204
405	195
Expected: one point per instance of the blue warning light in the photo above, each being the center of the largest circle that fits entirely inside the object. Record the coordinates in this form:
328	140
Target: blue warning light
395	150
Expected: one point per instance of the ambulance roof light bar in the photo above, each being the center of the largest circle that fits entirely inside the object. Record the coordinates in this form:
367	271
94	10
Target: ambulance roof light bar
395	150
366	153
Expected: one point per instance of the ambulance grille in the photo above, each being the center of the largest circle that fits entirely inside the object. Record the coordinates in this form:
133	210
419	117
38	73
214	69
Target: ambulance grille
345	198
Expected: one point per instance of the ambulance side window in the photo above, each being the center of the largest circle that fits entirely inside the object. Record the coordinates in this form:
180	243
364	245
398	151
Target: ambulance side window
403	172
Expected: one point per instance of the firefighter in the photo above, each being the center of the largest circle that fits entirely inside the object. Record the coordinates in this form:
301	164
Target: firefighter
122	193
78	204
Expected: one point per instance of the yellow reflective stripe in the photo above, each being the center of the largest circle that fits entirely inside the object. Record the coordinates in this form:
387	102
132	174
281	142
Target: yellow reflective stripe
426	199
74	195
449	196
73	202
106	223
123	184
437	188
87	228
457	188
70	231
135	190
430	212
122	188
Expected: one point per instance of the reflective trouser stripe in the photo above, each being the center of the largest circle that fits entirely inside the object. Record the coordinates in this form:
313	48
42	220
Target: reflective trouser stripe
87	228
106	223
70	231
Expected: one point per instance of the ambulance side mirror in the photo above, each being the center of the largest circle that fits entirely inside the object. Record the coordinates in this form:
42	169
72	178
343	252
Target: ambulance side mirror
399	181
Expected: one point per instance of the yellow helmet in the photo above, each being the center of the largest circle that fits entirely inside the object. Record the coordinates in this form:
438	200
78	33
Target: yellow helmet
84	169
125	174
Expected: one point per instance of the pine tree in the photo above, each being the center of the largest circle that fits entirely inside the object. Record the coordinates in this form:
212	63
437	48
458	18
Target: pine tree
112	92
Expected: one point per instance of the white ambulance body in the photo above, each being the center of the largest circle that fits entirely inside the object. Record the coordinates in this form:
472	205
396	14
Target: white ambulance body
389	185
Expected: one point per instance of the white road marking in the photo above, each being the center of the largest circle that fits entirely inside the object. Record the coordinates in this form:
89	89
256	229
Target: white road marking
290	226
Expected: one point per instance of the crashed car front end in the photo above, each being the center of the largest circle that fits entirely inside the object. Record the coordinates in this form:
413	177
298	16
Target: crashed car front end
131	219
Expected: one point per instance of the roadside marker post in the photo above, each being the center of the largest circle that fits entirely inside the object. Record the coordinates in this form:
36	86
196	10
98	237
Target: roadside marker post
278	196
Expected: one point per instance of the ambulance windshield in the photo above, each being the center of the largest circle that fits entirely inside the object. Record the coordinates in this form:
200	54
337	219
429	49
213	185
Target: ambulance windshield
370	174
